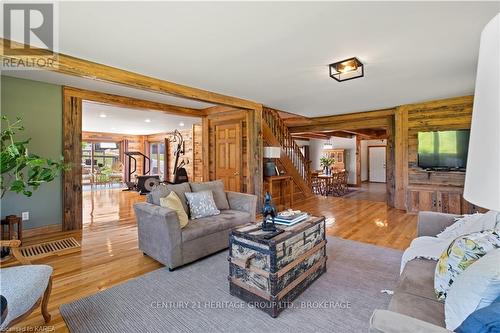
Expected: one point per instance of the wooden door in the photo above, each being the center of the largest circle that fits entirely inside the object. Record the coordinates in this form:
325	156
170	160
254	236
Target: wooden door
228	155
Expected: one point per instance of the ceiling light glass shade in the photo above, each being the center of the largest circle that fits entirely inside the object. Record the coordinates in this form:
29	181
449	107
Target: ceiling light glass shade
482	178
272	152
347	69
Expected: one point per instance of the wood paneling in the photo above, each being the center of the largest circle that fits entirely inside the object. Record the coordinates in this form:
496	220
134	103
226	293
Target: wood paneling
72	152
445	188
198	163
401	157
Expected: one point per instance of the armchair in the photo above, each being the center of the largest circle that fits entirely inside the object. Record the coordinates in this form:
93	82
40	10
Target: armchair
24	288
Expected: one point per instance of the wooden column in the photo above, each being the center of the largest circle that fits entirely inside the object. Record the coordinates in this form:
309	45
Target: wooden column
72	152
390	167
358	160
401	155
205	142
255	151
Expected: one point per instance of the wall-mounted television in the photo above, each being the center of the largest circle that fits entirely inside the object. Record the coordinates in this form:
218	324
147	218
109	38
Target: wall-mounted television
443	149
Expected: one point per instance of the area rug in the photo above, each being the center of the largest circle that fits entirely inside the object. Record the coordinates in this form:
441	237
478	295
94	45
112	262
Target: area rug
195	298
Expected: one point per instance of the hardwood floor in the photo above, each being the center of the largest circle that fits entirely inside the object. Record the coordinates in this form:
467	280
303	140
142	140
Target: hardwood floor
369	191
109	253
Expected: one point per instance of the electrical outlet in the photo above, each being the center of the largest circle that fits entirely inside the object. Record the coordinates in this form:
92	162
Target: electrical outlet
26	216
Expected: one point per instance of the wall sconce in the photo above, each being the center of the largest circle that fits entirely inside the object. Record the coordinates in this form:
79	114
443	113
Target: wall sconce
347	69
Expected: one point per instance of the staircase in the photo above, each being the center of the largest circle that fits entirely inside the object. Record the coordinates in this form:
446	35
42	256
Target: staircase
276	133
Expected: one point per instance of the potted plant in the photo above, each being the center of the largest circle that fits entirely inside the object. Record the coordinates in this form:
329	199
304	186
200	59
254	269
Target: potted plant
22	172
326	162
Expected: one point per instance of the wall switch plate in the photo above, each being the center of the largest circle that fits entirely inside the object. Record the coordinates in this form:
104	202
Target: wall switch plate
25	216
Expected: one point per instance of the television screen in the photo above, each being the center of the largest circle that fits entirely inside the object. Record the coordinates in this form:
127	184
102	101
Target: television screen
443	149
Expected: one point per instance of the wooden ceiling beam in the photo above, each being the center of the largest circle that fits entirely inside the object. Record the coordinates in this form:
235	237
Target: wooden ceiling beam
73	66
340	134
351	125
369	133
311	135
133	103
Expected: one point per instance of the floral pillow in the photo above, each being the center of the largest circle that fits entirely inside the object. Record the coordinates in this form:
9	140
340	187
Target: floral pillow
201	204
461	253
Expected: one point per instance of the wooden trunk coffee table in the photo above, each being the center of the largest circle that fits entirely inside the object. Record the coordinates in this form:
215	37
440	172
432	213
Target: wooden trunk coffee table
270	273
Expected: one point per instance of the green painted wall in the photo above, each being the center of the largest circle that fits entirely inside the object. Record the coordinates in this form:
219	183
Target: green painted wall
40	105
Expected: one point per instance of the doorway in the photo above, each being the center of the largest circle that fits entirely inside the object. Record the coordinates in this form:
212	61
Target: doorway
377	164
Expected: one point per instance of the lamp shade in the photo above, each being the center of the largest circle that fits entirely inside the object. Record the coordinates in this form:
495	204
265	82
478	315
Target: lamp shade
272	152
482	179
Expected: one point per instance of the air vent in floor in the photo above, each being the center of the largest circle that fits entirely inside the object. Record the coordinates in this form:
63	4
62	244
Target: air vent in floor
47	249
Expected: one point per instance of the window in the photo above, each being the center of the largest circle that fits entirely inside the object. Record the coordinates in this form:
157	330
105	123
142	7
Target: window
157	156
99	156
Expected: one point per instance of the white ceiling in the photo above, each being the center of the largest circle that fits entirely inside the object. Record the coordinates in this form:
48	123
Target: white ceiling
130	121
277	53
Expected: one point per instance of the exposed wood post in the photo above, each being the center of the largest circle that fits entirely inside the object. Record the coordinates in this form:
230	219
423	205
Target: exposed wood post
358	160
390	161
205	148
72	152
401	154
256	153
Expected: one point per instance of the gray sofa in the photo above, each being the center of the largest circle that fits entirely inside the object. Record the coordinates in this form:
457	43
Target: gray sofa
414	306
161	237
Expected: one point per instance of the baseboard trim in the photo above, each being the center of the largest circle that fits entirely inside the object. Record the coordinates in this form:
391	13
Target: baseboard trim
42	230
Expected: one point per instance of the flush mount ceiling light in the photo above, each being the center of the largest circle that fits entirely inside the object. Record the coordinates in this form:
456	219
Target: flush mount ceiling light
147	120
102	115
181	124
347	69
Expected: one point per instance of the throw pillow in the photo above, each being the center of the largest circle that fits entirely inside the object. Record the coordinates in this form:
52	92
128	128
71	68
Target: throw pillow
173	202
474	289
180	190
461	253
217	187
468	224
485	320
201	204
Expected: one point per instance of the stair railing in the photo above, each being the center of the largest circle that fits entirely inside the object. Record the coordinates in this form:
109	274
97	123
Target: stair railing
288	145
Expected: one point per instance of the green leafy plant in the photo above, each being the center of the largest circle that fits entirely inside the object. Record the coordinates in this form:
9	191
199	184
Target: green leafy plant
326	162
22	172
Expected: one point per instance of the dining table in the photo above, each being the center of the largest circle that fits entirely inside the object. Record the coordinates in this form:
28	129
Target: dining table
334	183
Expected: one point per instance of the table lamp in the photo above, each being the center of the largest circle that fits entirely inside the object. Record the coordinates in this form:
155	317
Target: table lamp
271	153
482	178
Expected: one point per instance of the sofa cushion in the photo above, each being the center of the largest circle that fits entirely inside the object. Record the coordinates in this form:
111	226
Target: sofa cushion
217	188
22	286
422	308
226	220
418	278
162	190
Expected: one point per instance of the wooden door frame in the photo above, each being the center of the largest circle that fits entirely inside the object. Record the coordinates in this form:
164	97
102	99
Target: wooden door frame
368	161
72	139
